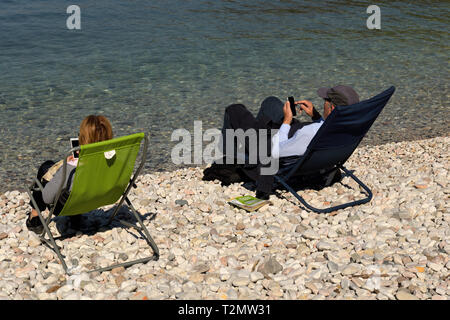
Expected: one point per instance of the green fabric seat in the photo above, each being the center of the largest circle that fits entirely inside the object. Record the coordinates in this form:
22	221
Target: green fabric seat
99	181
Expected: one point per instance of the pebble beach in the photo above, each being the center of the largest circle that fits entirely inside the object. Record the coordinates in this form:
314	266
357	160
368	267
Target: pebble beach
395	247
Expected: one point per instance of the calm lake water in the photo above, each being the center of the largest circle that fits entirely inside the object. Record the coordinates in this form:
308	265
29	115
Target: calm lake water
156	66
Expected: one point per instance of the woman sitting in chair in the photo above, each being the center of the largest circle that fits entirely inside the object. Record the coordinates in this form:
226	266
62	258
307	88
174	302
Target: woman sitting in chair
92	129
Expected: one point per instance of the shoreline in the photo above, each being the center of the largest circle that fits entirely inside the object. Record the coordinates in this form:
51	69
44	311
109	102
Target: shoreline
394	247
371	140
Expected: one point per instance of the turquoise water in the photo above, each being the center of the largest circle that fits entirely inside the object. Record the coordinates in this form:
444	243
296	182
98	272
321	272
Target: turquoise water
157	66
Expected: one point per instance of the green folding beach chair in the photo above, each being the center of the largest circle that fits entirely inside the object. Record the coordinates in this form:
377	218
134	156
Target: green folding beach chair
102	177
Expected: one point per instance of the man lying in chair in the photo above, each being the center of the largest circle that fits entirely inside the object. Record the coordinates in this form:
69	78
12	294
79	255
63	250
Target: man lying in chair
293	136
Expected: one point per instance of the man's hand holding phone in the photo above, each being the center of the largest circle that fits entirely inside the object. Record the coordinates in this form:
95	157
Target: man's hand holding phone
307	106
287	113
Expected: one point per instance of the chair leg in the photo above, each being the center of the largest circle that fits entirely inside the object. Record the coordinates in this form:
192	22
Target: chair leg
330	209
147	237
116	210
330	177
51	241
144	228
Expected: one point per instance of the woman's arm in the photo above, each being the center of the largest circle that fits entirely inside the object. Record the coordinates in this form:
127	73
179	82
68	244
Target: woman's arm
52	187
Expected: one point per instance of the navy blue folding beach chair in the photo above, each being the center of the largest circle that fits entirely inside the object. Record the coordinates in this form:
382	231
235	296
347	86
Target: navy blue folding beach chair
334	143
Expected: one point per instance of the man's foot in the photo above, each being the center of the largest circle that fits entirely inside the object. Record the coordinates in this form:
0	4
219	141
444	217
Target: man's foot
225	173
75	222
337	177
262	195
34	224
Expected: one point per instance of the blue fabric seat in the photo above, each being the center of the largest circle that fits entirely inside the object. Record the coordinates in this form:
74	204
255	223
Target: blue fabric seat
334	143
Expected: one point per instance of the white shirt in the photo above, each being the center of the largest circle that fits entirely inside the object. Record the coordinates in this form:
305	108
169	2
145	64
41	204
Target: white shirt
297	144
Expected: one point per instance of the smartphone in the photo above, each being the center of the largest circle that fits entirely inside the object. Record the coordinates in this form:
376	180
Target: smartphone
292	103
73	144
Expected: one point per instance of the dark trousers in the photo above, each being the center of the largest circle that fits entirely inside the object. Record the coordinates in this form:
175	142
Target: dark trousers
270	116
37	195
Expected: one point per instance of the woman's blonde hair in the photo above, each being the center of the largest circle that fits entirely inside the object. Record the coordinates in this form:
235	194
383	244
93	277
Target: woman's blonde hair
95	129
